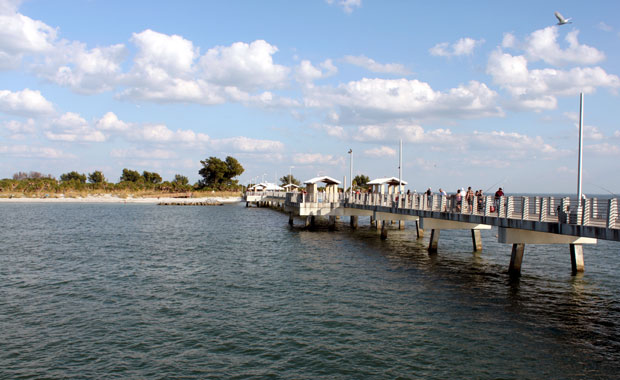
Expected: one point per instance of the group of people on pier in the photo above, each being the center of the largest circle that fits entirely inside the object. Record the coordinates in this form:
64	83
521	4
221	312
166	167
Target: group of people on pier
468	196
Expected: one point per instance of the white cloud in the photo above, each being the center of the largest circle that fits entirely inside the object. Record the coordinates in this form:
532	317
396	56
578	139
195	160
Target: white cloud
509	40
537	89
20	129
163	55
28	151
464	46
20	35
375	67
242	65
347	5
332	130
542	45
165	70
376	99
84	71
71	127
604	27
591	132
617	134
246	144
409	133
110	122
383	151
317	158
159	133
512	144
24	103
603	149
305	72
157	154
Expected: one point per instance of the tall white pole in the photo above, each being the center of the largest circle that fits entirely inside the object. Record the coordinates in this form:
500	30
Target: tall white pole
351	172
580	163
400	168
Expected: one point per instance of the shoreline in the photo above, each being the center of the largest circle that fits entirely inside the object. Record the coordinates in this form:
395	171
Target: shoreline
108	198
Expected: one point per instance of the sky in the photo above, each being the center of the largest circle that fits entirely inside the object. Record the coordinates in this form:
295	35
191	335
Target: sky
482	94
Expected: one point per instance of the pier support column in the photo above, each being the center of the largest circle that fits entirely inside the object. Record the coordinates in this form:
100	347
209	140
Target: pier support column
419	231
378	223
516	258
290	219
476	240
384	232
432	245
401	224
576	258
331	223
353	222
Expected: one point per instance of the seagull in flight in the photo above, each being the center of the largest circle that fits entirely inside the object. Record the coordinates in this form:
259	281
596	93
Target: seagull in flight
561	19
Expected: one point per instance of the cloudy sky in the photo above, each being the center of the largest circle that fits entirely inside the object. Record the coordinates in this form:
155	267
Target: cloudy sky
481	94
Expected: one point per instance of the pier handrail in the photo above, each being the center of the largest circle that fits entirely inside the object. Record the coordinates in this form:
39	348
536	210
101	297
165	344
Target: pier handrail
586	212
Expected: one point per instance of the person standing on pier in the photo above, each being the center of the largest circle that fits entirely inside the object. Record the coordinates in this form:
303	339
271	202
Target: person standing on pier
469	196
498	194
459	200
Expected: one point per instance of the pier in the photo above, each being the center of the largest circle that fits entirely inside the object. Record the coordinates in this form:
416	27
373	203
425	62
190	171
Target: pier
520	220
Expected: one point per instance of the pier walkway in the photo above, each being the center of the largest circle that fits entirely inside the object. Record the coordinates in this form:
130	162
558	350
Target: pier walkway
520	220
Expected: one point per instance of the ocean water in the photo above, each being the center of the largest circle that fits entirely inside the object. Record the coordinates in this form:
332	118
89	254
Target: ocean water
145	291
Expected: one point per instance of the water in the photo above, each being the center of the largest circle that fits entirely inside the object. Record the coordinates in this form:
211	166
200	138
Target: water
144	291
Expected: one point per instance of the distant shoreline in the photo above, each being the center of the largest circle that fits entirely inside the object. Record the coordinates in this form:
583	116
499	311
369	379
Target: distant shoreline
108	198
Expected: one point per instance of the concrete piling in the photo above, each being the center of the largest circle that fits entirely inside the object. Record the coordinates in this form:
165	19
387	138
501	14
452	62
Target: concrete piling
384	232
418	229
353	222
434	241
516	258
576	258
476	240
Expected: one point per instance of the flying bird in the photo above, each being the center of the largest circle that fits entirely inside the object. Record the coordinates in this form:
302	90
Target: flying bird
561	19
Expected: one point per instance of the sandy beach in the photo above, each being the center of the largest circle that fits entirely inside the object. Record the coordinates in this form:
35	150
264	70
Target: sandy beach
108	198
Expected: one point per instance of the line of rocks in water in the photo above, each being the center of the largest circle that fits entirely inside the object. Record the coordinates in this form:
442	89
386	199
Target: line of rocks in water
203	203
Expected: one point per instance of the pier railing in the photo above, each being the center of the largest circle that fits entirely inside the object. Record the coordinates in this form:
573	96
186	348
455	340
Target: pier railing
587	212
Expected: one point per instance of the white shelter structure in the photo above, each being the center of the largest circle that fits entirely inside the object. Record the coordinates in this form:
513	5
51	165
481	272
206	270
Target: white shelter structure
266	186
380	185
331	185
291	187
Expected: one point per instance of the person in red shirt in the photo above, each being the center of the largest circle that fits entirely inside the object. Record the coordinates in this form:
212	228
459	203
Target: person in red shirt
498	194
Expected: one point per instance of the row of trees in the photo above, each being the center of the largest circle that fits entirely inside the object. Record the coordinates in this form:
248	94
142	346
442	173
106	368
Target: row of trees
216	175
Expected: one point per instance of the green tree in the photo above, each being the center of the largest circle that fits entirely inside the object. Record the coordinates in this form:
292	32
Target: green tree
151	177
360	180
233	168
180	180
285	180
218	173
130	176
73	176
96	177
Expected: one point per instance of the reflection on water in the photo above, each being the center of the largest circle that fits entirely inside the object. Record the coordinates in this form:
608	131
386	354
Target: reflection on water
144	291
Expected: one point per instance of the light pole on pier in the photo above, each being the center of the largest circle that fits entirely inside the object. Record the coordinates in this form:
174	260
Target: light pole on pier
400	170
579	161
351	172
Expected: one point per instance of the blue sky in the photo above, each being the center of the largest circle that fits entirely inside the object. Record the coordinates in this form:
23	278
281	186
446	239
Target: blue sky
481	94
